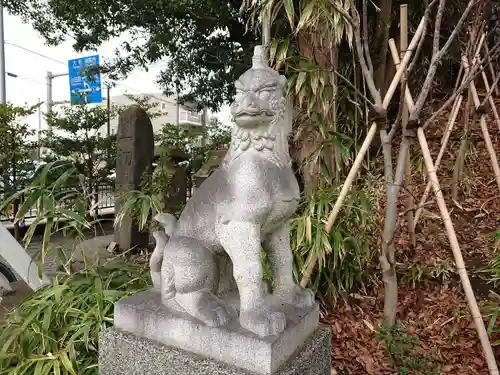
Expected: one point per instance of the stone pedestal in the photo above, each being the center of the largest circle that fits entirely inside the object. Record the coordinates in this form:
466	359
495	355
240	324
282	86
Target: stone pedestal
150	338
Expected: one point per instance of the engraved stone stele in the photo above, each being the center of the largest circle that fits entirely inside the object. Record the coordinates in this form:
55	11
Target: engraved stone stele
210	311
135	151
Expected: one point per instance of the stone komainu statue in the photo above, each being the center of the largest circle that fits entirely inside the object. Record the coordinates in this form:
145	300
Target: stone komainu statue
243	205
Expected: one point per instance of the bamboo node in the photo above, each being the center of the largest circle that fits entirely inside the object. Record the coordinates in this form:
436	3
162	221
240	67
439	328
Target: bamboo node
483	109
379	118
413	124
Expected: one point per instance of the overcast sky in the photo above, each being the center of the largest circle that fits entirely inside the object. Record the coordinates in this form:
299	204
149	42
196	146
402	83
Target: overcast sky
30	85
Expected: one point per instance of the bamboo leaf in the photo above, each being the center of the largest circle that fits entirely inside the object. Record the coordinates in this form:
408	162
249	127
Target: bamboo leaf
290	11
28	204
300	81
305	15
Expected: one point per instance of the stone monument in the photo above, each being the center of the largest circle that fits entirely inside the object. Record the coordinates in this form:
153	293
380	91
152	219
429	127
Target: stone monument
214	160
135	152
209	311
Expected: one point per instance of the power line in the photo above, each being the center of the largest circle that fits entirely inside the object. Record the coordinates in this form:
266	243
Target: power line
65	64
36	53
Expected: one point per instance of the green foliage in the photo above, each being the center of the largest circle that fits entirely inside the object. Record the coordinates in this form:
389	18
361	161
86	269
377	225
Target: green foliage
173	141
205	43
344	253
493	305
402	353
138	205
143	101
59	196
492	310
17	147
413	273
56	329
495	262
195	143
73	135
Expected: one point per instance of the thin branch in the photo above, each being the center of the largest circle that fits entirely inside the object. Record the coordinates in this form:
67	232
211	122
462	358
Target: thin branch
351	85
437	28
346	15
426	87
427	16
467	79
400	110
359	50
490	91
365	38
387	152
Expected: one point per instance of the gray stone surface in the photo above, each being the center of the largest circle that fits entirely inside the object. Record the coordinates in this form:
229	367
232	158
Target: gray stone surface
121	353
242	206
145	315
135	151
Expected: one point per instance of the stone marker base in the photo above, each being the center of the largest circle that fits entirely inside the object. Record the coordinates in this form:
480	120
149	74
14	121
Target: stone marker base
122	353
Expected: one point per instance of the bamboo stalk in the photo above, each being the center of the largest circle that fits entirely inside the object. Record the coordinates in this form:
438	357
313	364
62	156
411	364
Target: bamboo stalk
490	98
397	62
490	65
446	135
457	254
444	144
340	200
491	149
459	162
371	133
404	63
484	130
403	42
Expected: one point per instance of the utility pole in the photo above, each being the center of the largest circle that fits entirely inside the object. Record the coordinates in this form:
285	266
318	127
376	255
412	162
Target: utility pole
49	93
178	110
50	77
3	95
108	102
39	129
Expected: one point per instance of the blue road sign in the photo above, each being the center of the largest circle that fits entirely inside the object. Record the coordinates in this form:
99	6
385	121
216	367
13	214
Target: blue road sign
85	80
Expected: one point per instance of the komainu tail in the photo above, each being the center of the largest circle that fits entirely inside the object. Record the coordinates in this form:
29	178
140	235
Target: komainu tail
168	222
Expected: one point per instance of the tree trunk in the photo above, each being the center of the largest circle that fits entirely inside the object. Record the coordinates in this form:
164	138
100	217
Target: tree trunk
459	164
387	258
380	44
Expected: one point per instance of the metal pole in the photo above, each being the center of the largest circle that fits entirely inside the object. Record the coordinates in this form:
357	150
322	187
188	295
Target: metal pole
3	95
178	114
49	92
108	101
39	129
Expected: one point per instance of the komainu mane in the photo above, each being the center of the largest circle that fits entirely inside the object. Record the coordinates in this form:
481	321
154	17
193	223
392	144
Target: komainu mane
242	207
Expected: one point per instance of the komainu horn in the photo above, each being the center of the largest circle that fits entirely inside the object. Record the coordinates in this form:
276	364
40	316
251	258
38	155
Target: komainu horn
242	207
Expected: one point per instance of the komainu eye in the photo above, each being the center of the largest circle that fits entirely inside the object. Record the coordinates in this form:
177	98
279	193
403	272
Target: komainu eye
264	95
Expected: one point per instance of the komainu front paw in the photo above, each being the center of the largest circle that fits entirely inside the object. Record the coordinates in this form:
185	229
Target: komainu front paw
207	307
262	321
296	296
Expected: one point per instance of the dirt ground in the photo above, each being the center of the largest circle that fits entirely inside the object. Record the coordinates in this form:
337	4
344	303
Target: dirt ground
432	306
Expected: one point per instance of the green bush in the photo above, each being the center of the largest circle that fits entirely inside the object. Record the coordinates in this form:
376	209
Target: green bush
402	352
345	252
56	329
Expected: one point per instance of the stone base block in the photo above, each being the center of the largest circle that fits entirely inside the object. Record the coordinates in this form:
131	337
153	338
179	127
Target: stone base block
122	353
145	315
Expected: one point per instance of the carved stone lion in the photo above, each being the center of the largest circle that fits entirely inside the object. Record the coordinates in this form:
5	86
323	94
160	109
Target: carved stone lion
243	205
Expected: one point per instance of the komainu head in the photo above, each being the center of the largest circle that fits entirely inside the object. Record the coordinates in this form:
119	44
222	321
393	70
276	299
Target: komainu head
259	94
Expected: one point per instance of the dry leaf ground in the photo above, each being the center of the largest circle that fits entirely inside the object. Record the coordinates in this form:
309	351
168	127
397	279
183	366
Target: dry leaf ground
432	306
